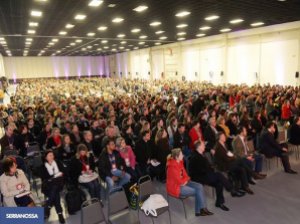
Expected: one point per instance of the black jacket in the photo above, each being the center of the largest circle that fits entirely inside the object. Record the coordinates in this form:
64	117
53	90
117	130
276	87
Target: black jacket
295	134
180	141
76	167
210	137
199	168
143	151
268	145
162	151
104	164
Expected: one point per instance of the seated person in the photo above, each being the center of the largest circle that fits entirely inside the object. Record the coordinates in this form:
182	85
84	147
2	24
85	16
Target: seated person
52	173
226	162
181	139
13	182
83	165
112	167
242	151
270	148
179	184
295	132
129	158
202	172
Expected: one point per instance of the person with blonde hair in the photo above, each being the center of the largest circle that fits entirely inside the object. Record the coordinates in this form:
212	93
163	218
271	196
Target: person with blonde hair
179	183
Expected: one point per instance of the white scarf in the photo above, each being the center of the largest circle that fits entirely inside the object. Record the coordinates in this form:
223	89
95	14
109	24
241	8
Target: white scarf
52	169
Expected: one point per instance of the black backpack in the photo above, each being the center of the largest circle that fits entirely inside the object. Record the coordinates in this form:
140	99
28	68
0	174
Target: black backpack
74	198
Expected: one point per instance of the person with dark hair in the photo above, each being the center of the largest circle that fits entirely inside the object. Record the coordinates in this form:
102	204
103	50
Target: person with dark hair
202	172
210	134
181	140
112	167
158	125
67	149
226	162
12	183
23	140
52	175
92	144
82	171
195	134
143	152
129	136
270	148
295	132
241	150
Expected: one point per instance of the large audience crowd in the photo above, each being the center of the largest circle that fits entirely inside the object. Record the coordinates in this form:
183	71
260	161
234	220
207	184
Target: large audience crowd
184	134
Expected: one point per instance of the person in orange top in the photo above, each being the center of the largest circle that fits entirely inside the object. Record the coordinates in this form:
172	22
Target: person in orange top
179	184
286	111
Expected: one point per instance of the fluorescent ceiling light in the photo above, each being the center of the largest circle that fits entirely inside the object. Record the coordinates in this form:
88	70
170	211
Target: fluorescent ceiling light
102	28
114	49
31	31
135	48
78	41
234	21
155	23
140	8
89	47
95	3
104	41
200	35
123	42
121	35
205	28
72	44
105	47
163	38
181	33
80	17
225	30
182	14
28	43
62	33
99	49
27	39
117	20
54	40
181	38
36	13
141	43
158	43
69	26
136	30
143	37
257	24
2	38
182	25
212	17
159	32
90	34
111	5
33	24
121	47
51	43
41	0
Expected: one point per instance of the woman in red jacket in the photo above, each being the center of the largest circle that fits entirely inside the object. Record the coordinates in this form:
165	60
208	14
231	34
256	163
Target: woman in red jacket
179	184
286	111
195	134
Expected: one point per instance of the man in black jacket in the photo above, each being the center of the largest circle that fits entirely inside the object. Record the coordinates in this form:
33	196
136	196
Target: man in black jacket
210	134
112	167
270	148
143	152
202	172
181	139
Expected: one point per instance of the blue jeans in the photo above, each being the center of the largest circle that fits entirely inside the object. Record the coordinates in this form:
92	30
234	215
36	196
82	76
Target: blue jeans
122	180
256	164
196	190
94	188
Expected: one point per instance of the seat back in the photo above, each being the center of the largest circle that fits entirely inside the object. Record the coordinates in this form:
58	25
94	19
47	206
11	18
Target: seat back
91	212
33	149
117	202
282	136
250	145
146	188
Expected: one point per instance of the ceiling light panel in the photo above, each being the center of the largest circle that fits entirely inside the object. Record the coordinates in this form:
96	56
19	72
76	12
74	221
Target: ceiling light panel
95	3
235	21
183	13
212	17
36	13
80	17
140	8
117	20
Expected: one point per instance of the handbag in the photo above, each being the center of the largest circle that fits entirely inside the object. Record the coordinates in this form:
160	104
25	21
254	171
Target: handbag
155	201
86	178
23	201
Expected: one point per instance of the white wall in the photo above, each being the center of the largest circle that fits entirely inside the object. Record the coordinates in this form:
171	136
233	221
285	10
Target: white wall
261	55
33	67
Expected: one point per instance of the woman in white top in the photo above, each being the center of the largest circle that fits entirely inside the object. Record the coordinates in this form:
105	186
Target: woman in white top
14	185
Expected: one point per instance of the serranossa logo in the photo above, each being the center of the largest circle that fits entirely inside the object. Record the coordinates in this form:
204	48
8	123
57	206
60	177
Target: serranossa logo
22	216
